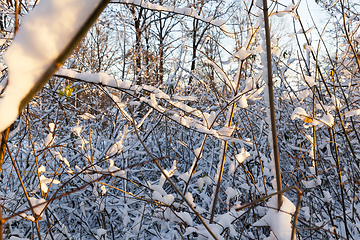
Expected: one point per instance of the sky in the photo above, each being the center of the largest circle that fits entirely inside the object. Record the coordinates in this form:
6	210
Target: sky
319	15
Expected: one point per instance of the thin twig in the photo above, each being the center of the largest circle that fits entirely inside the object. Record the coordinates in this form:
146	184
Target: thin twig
272	105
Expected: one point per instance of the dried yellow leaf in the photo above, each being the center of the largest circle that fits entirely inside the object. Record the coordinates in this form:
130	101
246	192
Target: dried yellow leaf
308	120
332	74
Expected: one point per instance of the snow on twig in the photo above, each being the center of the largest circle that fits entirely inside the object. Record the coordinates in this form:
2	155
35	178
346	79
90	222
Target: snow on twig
47	35
155	94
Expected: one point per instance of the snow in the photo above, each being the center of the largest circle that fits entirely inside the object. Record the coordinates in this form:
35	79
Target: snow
242	54
286	10
303	94
157	196
185	216
159	189
200	183
226	131
278	221
61	158
190	230
336	102
184	98
117	147
169	173
207	180
218	22
77	130
299	112
241	157
210	119
41	169
98	78
231	193
91	177
162	95
352	113
259	3
275	51
38	209
306	213
185	176
17	238
198	152
255	96
226	219
115	171
203	129
232	167
29	217
83	210
289	8
45	181
316	181
281	14
327	197
220	71
168	199
86	116
42	37
215	228
52	127
101	232
243	102
183	11
309	80
50	137
226	31
190	198
208	19
328	119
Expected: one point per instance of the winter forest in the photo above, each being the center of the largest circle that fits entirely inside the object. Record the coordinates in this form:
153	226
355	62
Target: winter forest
188	119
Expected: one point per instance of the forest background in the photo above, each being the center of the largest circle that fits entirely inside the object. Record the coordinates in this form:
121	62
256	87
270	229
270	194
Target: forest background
131	119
